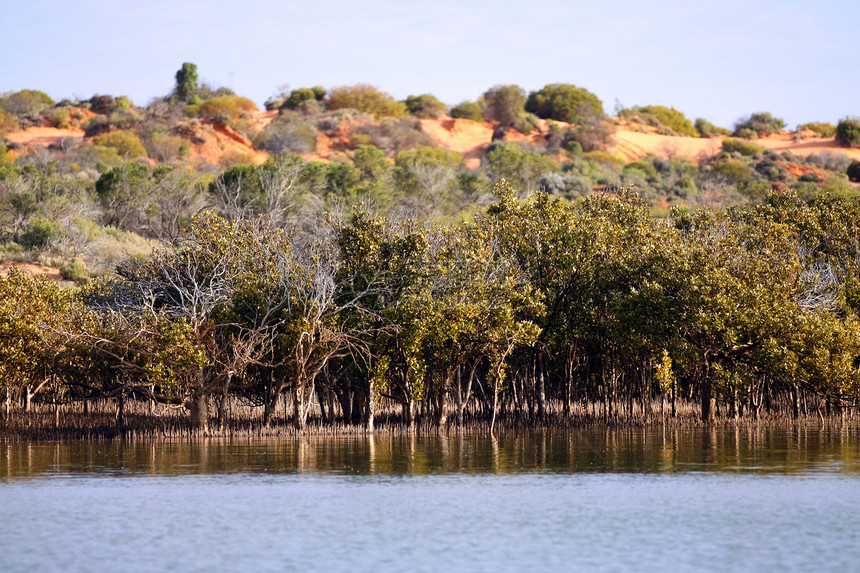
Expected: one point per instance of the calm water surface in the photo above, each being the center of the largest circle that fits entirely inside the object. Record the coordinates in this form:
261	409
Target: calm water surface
620	500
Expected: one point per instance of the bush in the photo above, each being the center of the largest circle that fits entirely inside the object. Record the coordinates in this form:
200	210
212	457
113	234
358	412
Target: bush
425	106
126	143
286	135
708	129
853	171
186	82
468	110
762	123
563	102
734	170
59	117
668	117
297	97
392	135
224	109
830	161
504	104
367	99
745	148
25	102
848	132
40	232
821	128
75	270
162	146
8	122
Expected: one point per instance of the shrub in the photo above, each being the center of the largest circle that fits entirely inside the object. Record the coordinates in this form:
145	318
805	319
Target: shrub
75	270
40	232
224	109
734	170
668	117
59	117
708	129
762	123
8	122
425	106
468	110
366	98
603	157
125	142
162	146
286	135
848	132
504	104
746	133
830	161
563	102
853	171
821	128
297	96
25	102
731	145
392	135
811	177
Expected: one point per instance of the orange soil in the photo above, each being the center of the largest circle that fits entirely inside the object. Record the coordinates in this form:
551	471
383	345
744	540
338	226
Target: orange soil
630	145
32	269
224	142
470	138
33	138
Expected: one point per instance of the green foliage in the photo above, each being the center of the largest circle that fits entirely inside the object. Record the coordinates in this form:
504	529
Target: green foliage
425	106
821	128
522	168
126	143
301	95
8	122
75	270
224	109
736	171
853	171
25	102
668	117
468	110
848	132
564	102
708	129
40	232
762	123
367	99
504	104
741	146
186	83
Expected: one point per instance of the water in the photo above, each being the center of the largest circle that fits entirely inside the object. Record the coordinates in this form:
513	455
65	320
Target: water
745	500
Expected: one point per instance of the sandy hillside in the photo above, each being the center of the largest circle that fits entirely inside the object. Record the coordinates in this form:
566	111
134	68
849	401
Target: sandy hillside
34	138
470	138
631	145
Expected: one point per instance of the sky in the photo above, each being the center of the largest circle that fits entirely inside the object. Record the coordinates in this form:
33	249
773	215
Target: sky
721	60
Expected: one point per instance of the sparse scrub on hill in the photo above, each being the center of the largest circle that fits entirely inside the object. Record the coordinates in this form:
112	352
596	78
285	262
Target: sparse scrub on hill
425	106
393	135
746	148
25	102
708	129
223	109
668	120
761	123
848	132
564	102
468	110
286	134
126	143
735	170
8	122
821	128
300	96
829	160
366	98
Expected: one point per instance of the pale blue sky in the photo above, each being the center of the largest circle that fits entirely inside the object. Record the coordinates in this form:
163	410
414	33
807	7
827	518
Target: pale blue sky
720	60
